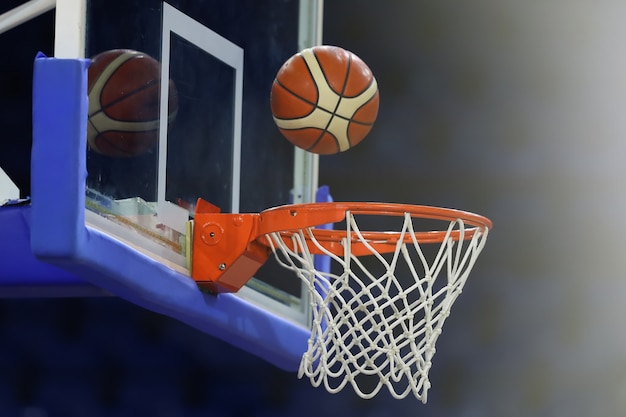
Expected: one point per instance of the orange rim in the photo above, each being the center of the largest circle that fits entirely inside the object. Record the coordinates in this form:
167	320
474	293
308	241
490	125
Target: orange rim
289	220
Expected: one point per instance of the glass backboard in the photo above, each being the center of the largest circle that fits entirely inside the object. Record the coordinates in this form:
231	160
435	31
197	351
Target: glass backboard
214	138
221	145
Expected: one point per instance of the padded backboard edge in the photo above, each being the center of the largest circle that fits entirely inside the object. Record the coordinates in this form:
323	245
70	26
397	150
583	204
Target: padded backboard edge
60	237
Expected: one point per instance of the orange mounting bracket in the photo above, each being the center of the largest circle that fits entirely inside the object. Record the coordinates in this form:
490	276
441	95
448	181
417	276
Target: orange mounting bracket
228	249
225	252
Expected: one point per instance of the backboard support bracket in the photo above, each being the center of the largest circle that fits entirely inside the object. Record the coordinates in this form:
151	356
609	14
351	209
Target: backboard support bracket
225	254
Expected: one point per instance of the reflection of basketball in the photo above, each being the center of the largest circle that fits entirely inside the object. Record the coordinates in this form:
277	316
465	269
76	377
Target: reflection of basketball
124	97
324	99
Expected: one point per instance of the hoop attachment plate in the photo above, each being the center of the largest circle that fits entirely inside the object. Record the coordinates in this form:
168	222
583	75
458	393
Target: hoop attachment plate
226	253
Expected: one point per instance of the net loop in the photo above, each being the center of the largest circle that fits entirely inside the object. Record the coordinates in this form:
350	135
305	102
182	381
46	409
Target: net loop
378	312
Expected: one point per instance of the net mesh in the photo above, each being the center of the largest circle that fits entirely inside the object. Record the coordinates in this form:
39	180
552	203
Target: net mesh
377	317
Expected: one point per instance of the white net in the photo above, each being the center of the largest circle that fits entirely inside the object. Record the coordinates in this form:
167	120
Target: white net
377	317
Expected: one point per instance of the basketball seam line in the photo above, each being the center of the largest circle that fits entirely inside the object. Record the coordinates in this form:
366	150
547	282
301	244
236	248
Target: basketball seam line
298	96
124	57
94	126
317	107
123	152
334	112
114	102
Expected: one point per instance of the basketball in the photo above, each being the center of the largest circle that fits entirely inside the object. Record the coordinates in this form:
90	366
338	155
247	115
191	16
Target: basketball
124	103
324	100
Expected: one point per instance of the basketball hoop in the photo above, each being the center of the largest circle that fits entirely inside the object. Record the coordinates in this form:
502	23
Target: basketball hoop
378	312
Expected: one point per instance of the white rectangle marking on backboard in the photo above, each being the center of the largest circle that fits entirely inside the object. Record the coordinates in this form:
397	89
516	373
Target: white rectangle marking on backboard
212	43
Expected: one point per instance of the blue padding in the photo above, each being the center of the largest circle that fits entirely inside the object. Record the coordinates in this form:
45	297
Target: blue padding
59	235
21	274
58	167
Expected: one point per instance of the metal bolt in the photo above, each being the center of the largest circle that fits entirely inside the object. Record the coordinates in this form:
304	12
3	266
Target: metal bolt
211	233
222	266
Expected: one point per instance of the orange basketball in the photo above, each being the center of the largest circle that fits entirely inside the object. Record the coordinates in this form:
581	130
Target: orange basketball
324	99
124	103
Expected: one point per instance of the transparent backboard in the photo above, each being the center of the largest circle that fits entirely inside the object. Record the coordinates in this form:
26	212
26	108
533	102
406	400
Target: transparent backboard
221	145
99	223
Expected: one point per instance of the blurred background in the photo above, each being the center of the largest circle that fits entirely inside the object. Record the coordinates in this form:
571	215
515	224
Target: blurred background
510	109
